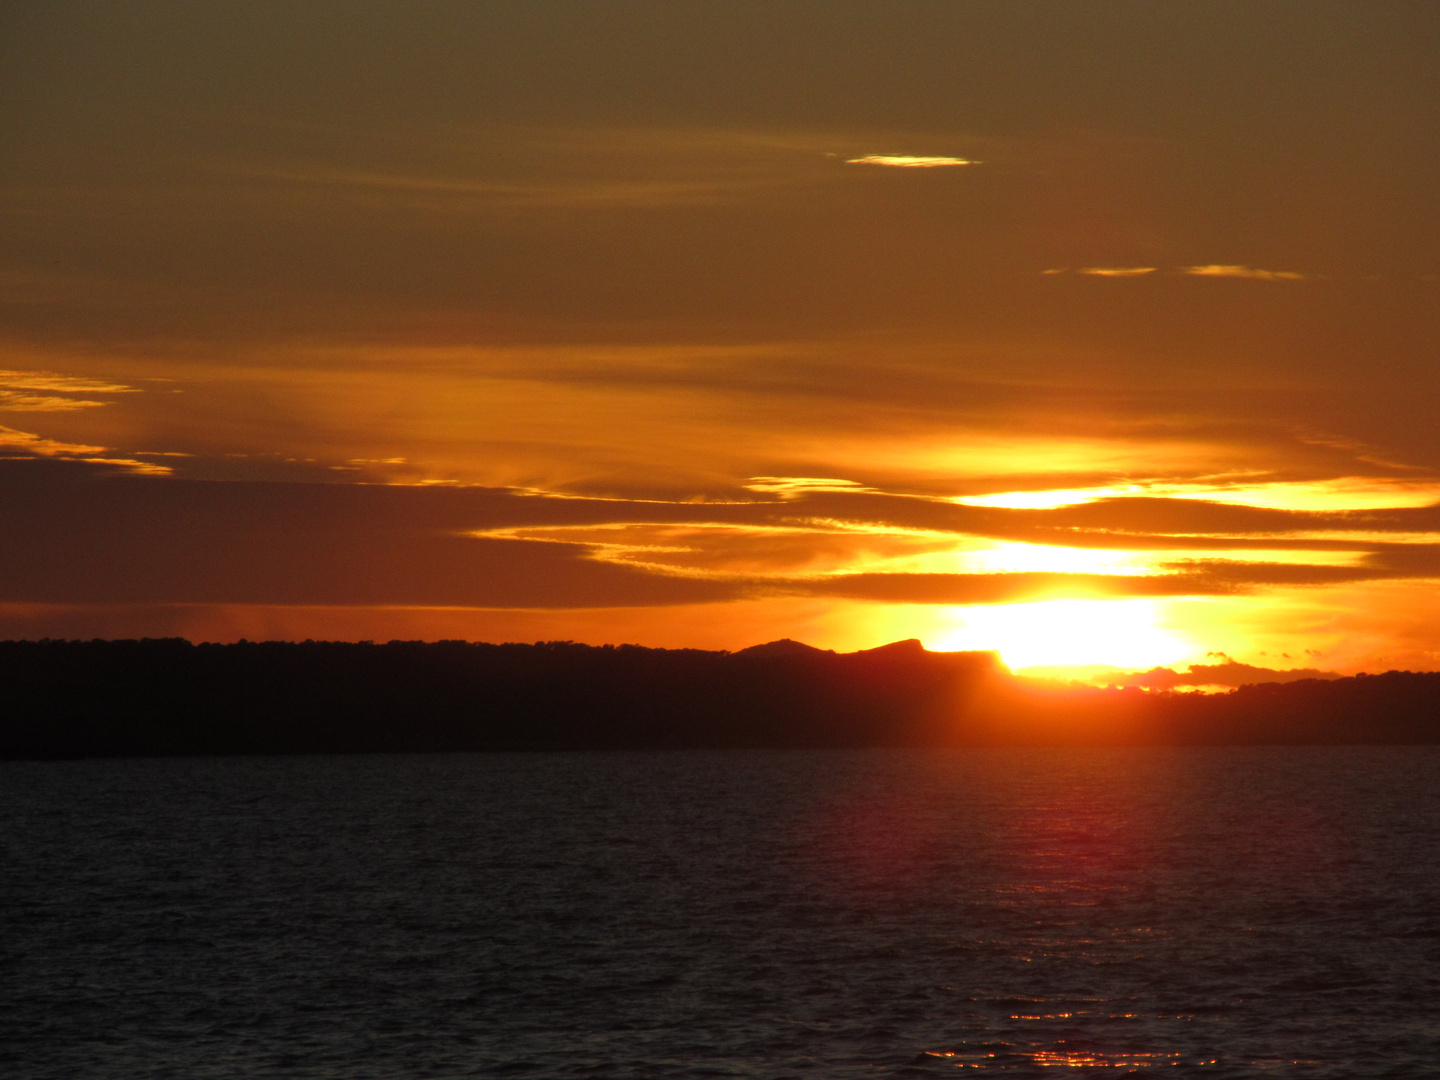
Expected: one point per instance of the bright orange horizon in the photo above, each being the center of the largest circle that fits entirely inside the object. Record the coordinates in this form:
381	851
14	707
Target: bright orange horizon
1091	336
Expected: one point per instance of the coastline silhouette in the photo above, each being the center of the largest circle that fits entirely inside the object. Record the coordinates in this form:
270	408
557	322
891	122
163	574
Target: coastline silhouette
164	697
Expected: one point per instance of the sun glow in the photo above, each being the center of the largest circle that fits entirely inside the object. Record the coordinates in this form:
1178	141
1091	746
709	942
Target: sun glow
1120	633
1342	493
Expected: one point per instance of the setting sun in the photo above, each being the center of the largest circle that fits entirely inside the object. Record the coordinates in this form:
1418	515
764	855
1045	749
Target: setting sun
1119	633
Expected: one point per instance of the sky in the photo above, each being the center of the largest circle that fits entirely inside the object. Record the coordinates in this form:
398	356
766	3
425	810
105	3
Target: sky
1093	332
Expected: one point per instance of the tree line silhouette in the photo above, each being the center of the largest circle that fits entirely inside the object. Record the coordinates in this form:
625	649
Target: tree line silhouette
67	699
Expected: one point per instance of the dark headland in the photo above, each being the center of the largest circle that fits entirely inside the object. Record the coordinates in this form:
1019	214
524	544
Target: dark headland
70	699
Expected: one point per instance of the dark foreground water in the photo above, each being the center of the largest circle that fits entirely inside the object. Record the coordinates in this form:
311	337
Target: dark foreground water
1198	912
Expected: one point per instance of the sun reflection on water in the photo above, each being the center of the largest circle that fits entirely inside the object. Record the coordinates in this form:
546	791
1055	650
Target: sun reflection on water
1075	1059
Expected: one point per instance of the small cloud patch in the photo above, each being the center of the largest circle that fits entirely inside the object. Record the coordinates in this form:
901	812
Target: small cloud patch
13	401
908	161
1243	272
1215	270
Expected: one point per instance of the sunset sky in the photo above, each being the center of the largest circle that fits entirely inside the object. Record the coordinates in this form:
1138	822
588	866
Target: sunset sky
1095	332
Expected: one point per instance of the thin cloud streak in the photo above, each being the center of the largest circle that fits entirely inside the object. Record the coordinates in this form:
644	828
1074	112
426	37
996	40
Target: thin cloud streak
1249	272
795	486
17	391
25	445
12	401
1211	271
811	549
908	161
31	445
64	384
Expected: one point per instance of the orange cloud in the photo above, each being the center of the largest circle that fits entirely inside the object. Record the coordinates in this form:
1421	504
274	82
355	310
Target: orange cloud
1243	272
26	444
17	391
1338	493
908	161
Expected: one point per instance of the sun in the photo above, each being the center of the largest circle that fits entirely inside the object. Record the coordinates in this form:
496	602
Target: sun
1119	633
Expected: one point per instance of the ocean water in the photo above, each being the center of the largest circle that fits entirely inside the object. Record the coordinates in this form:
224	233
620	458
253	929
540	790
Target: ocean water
1208	912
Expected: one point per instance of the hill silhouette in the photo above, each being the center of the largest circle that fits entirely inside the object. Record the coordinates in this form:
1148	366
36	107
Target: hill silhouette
169	697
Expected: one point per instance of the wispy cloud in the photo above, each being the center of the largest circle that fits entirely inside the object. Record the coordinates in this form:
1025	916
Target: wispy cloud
909	161
24	444
18	391
11	401
30	445
793	486
1103	271
1253	273
1243	272
64	384
934	561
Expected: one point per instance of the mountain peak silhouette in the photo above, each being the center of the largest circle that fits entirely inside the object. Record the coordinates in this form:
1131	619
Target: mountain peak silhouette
785	647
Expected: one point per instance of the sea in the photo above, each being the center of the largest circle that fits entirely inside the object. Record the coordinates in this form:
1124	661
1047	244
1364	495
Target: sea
1022	913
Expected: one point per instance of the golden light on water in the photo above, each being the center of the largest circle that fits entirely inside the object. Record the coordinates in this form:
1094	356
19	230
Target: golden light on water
1120	633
